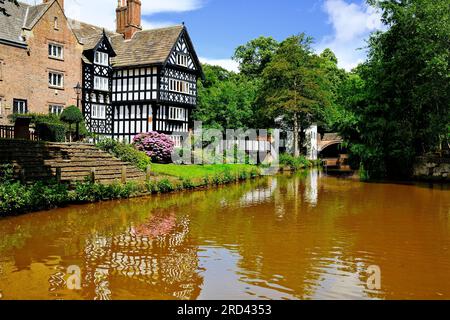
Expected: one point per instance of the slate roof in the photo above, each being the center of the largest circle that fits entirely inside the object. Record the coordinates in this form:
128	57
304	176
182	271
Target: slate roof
11	26
35	13
146	47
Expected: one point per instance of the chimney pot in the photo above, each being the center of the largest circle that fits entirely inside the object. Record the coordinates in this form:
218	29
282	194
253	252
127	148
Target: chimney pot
128	17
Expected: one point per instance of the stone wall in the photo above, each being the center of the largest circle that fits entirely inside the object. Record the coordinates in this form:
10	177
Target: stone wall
432	168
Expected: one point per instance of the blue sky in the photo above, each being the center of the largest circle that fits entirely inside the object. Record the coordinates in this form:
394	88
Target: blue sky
221	25
217	27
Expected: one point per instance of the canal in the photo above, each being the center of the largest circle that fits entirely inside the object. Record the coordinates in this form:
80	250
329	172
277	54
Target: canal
302	236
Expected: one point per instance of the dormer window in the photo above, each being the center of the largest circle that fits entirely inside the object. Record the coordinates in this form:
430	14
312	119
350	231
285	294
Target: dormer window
101	58
182	59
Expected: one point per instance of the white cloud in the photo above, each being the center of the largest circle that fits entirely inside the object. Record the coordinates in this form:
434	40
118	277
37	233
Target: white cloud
352	24
103	12
227	64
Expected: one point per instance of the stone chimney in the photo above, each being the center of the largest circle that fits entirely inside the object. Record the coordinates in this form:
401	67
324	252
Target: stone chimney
128	17
61	2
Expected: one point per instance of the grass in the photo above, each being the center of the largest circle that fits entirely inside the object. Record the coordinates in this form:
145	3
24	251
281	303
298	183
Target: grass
194	172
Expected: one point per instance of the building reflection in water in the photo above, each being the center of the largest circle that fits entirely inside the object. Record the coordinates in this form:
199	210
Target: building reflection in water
151	259
260	195
298	236
312	188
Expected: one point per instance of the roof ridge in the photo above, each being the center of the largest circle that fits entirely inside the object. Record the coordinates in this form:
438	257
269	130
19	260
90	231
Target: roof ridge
150	30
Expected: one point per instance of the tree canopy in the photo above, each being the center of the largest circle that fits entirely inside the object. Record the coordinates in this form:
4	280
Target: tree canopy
398	101
225	99
254	56
294	85
72	115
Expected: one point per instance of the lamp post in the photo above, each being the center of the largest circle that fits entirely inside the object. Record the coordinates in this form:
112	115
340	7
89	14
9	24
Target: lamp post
78	90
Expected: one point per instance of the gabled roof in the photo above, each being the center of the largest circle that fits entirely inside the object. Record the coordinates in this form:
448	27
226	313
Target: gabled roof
19	18
146	47
35	13
85	32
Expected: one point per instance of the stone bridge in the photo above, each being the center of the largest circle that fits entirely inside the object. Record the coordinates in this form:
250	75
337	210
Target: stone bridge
328	140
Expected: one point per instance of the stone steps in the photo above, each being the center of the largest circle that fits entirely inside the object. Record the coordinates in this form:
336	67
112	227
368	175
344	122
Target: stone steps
39	161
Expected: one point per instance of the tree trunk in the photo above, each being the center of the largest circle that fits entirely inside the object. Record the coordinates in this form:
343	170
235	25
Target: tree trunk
296	129
70	133
78	132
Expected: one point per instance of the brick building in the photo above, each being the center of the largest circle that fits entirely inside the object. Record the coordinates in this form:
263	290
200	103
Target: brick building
132	80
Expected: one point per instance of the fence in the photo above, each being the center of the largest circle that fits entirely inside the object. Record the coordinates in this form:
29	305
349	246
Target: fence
8	132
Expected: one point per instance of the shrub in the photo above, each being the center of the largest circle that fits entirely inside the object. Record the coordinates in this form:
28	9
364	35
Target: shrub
243	175
52	132
72	115
126	153
254	173
159	147
6	173
92	192
217	179
16	198
228	177
293	162
152	187
165	186
46	120
187	184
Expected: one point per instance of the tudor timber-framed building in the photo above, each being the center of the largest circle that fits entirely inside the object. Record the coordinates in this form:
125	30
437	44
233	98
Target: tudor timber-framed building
133	80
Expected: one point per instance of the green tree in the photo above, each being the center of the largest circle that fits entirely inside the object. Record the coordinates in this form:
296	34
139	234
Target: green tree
3	9
255	55
225	99
293	85
403	106
335	78
72	115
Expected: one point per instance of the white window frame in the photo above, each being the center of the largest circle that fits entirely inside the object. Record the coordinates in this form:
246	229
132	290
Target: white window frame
182	59
178	86
23	106
54	79
98	111
53	51
101	83
55	107
178	114
101	58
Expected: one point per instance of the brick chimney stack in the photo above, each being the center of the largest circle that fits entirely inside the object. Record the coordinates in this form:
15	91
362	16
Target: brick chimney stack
61	2
128	17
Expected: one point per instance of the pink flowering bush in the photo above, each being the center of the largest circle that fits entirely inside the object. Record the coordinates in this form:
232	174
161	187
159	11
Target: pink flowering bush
156	145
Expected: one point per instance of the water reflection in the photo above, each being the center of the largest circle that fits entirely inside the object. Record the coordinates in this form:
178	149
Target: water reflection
302	236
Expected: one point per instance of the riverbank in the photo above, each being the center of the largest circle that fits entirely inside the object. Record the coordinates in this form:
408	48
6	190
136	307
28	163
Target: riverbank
17	198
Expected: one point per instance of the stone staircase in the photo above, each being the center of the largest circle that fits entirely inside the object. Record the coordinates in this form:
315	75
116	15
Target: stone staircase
39	161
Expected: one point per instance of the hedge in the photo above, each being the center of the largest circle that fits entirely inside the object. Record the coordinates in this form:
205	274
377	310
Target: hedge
52	132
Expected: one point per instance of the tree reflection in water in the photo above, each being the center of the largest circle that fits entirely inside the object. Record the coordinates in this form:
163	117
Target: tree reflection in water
298	236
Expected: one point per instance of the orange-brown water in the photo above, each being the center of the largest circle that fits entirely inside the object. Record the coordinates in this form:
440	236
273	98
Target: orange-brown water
305	236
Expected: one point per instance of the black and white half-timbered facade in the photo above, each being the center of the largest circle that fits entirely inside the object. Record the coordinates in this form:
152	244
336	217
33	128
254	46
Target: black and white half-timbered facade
143	84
